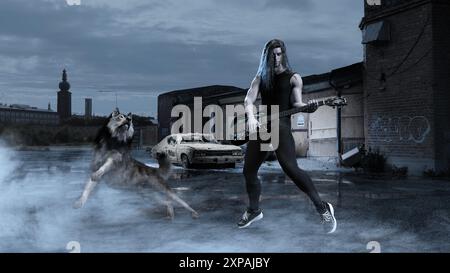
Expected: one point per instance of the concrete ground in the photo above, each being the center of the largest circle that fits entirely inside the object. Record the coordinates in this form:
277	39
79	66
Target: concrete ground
374	214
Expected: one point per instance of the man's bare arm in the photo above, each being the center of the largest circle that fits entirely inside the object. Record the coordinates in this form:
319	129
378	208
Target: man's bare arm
252	95
249	102
296	95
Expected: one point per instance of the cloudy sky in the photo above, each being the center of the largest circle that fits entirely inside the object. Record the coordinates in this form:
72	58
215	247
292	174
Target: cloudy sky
138	49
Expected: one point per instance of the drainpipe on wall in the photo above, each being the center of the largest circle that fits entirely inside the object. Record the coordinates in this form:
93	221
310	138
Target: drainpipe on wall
338	122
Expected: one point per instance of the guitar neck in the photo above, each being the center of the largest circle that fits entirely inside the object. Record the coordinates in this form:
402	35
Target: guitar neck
295	110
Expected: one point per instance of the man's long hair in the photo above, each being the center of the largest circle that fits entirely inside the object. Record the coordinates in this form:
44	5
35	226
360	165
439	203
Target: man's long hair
266	63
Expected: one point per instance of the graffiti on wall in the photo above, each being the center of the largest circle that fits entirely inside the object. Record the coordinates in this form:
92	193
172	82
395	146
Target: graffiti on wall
401	128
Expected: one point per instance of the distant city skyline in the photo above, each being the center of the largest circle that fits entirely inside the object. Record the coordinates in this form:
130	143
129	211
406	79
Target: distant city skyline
139	49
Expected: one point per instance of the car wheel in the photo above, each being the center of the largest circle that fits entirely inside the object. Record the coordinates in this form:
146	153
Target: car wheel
185	161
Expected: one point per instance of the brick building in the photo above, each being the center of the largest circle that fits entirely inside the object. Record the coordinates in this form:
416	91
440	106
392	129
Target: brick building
216	94
27	115
406	82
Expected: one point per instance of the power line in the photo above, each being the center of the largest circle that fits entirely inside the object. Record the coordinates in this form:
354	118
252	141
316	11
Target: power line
396	71
412	48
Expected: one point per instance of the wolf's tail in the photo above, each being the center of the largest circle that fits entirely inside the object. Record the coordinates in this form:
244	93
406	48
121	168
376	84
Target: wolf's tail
165	167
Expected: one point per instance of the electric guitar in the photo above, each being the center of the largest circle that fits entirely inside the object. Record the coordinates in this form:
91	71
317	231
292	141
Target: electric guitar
242	136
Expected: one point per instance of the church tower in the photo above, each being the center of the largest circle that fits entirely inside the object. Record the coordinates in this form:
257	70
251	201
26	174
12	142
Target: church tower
64	98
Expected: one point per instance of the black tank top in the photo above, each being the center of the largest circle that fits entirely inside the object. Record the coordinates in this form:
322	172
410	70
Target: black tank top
280	94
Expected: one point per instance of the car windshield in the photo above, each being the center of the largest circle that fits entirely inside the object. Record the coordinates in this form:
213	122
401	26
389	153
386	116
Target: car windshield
198	139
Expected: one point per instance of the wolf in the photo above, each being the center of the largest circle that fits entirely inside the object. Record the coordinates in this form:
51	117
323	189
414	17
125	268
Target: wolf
112	162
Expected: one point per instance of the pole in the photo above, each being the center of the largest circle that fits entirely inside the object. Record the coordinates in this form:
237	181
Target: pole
339	123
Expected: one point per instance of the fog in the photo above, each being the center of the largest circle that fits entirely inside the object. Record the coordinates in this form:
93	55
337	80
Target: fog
38	188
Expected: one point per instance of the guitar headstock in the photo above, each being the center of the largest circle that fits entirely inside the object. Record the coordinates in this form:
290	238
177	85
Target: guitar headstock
335	101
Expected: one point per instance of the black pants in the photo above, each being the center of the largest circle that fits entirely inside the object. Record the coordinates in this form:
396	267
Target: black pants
285	153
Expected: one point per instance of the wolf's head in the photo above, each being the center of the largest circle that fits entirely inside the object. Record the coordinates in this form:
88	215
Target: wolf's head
120	126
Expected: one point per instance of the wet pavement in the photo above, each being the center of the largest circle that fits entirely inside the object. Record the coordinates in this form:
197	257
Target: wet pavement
39	187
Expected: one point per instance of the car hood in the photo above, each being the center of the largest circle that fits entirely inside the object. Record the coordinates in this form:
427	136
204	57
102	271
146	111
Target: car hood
212	146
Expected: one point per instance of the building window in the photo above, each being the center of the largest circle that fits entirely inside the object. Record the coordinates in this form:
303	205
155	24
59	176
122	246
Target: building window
378	32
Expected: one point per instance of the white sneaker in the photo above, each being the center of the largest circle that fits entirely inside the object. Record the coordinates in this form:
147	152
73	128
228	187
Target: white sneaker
328	219
249	217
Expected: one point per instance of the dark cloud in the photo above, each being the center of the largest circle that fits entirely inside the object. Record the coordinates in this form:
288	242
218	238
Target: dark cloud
143	48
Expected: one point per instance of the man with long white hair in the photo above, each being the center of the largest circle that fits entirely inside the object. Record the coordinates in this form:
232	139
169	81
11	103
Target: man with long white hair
278	85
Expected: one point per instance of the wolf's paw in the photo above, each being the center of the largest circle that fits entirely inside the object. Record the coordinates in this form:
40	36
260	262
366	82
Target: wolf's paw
96	175
195	215
78	204
170	213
